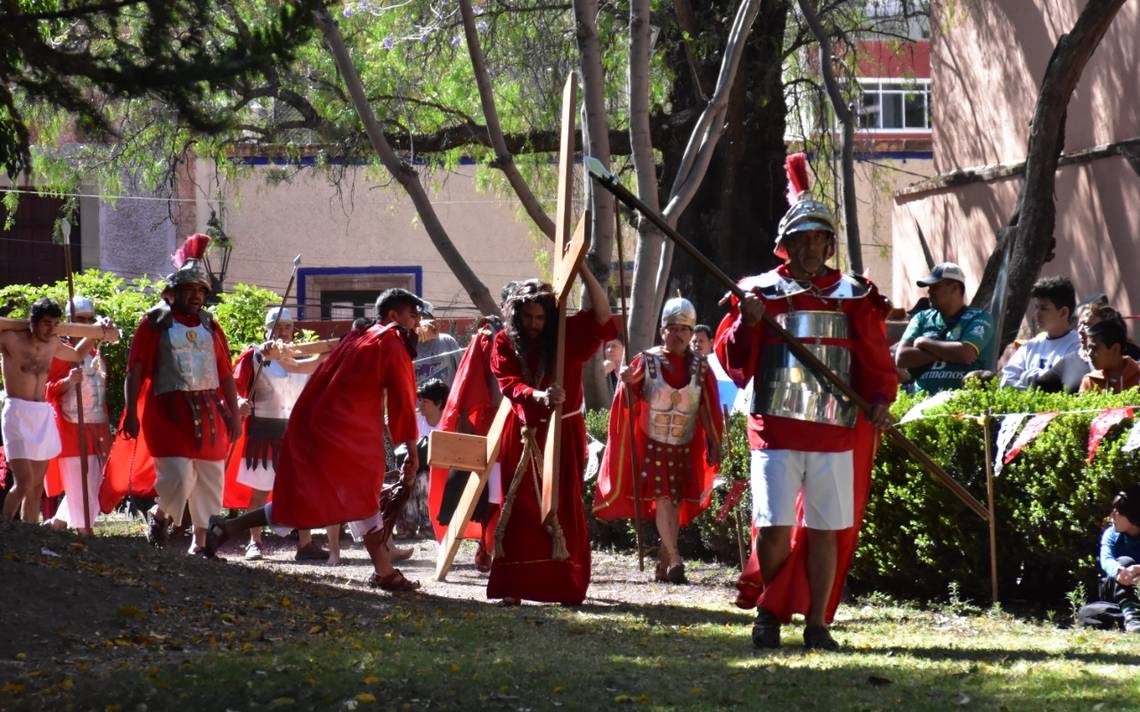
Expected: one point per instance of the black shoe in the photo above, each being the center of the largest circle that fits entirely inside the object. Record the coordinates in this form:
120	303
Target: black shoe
1131	620
766	630
157	529
817	637
216	536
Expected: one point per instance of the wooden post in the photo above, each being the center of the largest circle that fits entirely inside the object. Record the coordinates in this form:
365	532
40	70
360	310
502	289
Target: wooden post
80	426
631	434
990	506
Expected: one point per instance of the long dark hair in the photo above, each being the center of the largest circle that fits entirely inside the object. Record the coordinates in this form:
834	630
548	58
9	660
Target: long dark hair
532	291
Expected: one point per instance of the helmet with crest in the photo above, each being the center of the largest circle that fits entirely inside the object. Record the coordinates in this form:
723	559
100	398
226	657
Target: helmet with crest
678	310
806	213
189	263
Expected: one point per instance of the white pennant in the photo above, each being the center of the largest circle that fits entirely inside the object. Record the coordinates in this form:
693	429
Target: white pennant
1010	424
1133	441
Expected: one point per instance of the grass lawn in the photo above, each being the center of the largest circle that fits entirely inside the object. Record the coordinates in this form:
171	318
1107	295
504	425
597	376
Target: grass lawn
237	637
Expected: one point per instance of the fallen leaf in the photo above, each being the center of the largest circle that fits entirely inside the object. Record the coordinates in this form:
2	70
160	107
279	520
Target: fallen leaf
371	680
365	697
21	656
963	698
281	701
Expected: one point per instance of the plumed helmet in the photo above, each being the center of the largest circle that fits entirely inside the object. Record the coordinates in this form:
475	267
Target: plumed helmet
189	263
806	212
272	316
678	310
83	307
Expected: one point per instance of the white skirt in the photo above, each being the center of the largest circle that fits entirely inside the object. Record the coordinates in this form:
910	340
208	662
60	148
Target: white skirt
29	430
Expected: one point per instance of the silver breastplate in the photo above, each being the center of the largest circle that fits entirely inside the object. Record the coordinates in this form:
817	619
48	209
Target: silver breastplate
186	360
276	391
671	415
94	392
788	389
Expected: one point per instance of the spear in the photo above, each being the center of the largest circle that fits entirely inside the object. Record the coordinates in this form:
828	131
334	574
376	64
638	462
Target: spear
628	398
65	229
610	182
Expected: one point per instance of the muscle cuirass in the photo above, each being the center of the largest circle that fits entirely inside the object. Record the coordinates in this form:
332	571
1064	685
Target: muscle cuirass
276	391
671	415
94	392
186	359
788	389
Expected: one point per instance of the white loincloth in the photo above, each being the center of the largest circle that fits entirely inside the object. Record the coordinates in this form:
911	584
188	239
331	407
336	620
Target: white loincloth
258	477
29	430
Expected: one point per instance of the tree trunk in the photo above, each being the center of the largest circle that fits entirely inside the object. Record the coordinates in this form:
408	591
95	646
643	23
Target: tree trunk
401	171
1031	229
847	119
734	213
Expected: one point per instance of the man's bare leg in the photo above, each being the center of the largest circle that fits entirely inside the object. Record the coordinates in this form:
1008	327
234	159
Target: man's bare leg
822	556
27	490
772	548
332	533
668	529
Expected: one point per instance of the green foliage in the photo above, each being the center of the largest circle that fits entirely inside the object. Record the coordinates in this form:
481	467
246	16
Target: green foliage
242	315
1051	504
123	301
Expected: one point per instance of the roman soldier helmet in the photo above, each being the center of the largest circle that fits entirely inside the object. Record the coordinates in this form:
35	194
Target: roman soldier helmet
678	310
271	317
82	307
806	212
189	263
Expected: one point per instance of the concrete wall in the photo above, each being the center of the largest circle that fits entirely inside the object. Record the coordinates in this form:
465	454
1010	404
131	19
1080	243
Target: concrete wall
369	224
988	59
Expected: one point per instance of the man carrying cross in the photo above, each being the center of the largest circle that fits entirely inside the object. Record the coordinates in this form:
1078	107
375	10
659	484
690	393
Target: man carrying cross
533	559
811	448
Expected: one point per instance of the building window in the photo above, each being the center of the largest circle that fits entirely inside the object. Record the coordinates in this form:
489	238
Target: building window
894	105
350	292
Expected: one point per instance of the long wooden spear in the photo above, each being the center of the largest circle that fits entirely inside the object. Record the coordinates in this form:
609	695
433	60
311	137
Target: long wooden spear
610	182
628	398
65	229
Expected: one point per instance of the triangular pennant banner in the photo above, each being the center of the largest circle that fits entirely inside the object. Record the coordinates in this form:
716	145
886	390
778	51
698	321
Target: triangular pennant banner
1104	421
1133	441
731	499
1008	428
1032	429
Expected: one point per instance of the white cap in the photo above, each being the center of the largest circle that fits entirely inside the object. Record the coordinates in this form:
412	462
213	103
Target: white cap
271	316
945	270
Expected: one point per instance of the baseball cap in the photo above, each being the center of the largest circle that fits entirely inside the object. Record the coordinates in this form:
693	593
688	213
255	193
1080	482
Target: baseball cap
945	270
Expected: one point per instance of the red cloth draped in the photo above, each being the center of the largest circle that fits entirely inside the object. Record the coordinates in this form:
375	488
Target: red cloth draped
613	497
332	465
1100	426
526	570
1032	429
470	408
165	422
235	495
98	435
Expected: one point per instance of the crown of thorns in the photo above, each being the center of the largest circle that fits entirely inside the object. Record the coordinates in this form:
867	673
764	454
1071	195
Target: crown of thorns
523	295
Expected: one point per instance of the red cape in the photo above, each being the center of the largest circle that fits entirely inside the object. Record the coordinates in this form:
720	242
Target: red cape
470	408
235	495
130	466
98	434
332	465
613	495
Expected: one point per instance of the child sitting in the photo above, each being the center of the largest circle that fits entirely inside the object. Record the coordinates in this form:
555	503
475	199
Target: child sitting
1112	370
1119	557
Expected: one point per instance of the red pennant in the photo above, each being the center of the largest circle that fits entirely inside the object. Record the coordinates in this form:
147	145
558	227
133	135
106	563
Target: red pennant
1032	429
731	499
1105	421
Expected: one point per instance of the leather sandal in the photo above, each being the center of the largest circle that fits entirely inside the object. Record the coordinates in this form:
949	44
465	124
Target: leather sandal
216	536
394	581
661	573
676	574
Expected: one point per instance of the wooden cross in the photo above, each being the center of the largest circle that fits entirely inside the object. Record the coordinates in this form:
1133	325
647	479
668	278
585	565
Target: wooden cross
478	454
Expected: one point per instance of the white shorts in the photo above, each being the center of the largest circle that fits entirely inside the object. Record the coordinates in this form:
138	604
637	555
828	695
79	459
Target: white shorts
826	478
71	506
362	527
181	480
258	478
29	430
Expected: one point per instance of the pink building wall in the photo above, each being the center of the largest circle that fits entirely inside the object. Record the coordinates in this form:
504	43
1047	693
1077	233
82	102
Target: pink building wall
987	59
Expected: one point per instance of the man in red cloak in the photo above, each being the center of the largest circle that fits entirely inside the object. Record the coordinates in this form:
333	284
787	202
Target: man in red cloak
528	559
678	426
65	472
331	466
181	399
811	450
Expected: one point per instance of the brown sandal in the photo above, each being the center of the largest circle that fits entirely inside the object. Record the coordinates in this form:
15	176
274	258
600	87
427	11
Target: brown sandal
394	581
661	574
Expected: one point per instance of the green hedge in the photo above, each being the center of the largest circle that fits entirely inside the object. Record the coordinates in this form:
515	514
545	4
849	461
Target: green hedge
1050	503
918	539
241	314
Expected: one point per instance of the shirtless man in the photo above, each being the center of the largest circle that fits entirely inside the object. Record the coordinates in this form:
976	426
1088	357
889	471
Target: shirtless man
31	439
